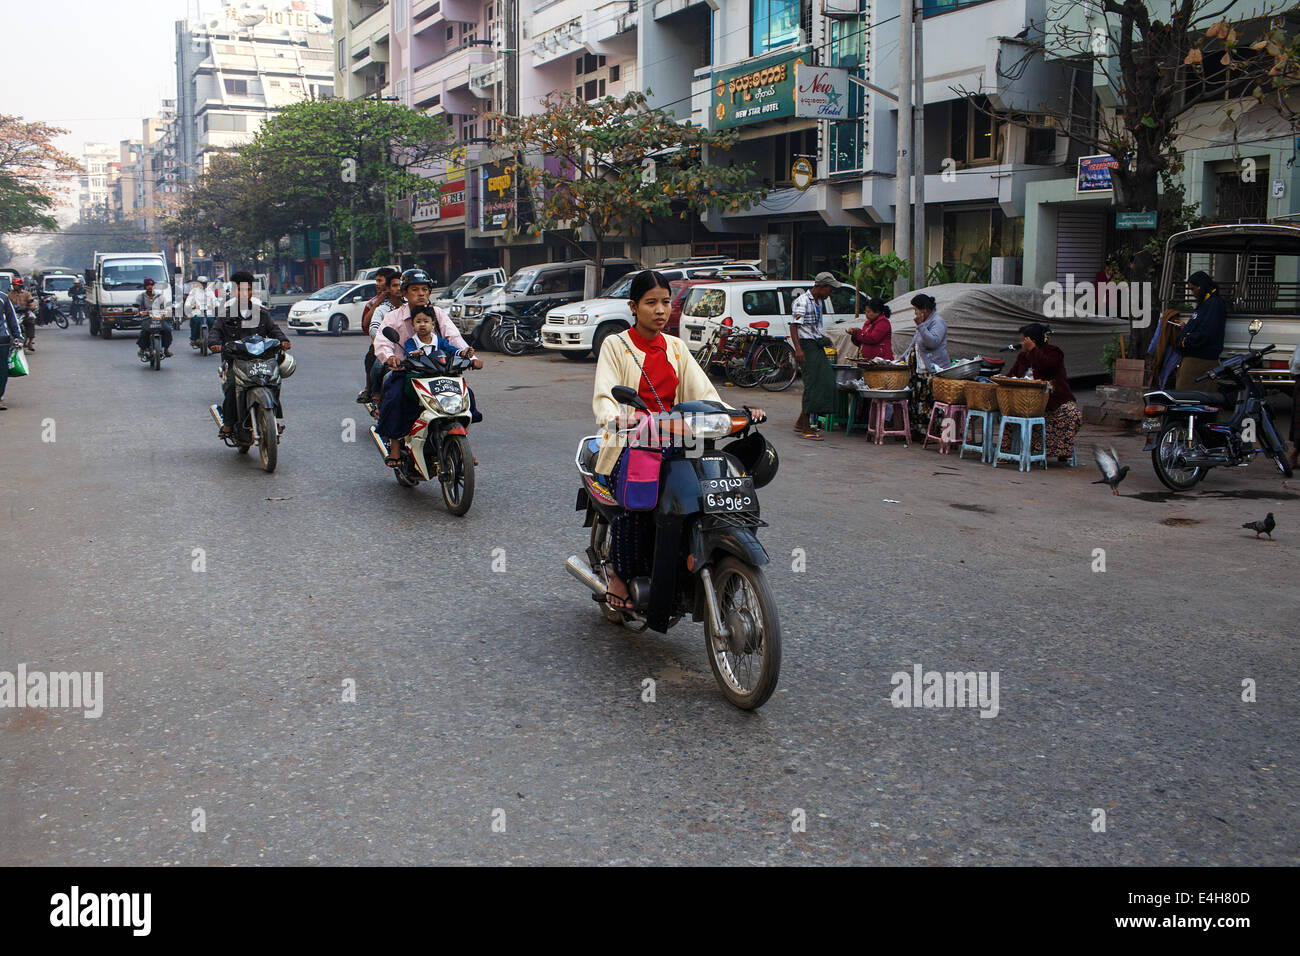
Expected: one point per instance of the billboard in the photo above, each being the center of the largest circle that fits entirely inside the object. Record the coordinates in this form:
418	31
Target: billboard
756	91
821	92
1094	174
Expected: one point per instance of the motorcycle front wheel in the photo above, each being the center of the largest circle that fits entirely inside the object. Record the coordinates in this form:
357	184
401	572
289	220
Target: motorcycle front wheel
60	319
747	663
268	438
456	474
1171	438
513	342
155	357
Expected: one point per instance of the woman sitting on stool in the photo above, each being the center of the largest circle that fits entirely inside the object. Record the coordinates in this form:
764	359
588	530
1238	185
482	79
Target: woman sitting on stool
1063	418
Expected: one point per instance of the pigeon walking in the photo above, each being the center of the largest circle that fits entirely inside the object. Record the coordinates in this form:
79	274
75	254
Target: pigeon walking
1265	527
1111	472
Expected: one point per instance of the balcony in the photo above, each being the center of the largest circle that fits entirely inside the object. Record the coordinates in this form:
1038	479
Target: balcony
482	77
666	8
558	42
609	20
448	76
373	29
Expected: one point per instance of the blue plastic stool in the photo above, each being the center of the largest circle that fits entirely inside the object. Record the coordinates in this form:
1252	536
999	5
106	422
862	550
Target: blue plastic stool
1024	439
988	424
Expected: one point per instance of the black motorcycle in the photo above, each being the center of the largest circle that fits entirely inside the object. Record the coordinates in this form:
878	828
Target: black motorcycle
1184	434
78	307
516	335
153	356
255	362
48	311
707	560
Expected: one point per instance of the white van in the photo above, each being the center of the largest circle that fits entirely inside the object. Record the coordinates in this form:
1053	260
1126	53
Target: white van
466	286
334	309
771	301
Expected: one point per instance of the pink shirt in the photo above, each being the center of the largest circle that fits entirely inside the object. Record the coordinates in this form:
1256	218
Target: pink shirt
399	320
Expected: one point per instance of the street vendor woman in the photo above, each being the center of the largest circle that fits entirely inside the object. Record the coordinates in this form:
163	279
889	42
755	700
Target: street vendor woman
874	336
930	341
1063	418
810	352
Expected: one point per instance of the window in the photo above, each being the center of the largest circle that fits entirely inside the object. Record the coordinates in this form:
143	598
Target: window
614	73
1237	200
773	23
399	14
971	132
342	54
790	146
577	280
451	33
842	301
761	302
239	87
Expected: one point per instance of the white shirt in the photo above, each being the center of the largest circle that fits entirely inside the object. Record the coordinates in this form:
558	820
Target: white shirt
200	301
808	313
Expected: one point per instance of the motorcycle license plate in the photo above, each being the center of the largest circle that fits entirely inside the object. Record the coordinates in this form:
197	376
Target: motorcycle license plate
728	495
1150	424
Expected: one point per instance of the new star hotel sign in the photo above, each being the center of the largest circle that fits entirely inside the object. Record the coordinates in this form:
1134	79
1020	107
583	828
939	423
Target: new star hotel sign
779	87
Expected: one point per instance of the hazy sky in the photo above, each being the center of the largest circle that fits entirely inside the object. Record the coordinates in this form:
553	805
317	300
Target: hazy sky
94	67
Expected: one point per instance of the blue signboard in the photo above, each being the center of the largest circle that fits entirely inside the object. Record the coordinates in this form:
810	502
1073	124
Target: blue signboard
1094	174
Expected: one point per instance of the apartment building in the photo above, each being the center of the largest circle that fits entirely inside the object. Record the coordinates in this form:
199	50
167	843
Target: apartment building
97	182
361	32
242	65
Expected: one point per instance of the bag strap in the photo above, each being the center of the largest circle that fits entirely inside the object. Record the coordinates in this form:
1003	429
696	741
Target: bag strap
627	345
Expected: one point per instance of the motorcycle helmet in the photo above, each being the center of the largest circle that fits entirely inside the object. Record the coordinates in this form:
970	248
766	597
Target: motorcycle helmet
757	455
202	280
287	364
18	282
415	277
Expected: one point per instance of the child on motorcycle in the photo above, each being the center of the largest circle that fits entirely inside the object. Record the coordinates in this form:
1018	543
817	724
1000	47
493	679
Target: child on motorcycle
398	411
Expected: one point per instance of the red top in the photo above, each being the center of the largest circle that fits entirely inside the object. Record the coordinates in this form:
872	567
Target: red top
874	339
657	368
1048	363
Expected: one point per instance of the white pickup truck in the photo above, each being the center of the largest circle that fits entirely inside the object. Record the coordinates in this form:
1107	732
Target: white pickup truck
467	286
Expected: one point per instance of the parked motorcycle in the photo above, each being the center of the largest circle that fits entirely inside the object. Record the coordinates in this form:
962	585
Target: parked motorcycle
259	365
153	356
1185	437
48	311
515	335
437	445
707	559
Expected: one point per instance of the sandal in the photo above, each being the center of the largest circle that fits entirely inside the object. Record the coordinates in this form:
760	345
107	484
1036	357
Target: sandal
617	602
811	435
392	461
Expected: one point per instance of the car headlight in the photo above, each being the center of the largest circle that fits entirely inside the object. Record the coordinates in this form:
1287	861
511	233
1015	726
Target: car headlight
451	402
579	319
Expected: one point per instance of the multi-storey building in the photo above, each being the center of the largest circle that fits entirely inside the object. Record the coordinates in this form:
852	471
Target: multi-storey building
240	66
361	31
97	182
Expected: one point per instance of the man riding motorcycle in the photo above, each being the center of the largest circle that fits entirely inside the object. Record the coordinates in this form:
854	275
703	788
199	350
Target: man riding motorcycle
388	294
201	304
152	303
415	286
241	315
78	296
21	300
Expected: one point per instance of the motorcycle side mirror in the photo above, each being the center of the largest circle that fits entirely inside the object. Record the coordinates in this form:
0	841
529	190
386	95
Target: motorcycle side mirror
1254	327
391	334
628	396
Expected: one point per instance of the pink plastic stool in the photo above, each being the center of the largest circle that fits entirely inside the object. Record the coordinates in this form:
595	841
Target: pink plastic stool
958	415
878	428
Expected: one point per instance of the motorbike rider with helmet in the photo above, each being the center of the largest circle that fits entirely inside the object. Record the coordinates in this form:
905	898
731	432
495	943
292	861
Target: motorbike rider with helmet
153	303
78	296
200	304
242	315
415	285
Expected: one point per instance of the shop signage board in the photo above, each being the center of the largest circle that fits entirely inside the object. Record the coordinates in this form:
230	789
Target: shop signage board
757	90
821	92
1094	174
1135	220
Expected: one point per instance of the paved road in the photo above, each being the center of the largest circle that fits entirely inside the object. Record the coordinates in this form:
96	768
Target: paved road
481	691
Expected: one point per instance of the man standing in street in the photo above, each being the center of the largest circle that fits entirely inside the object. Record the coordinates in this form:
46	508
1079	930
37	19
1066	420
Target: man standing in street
11	337
810	352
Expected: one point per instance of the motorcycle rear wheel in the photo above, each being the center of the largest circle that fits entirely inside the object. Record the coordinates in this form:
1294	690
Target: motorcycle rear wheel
1175	479
456	474
749	609
60	319
268	438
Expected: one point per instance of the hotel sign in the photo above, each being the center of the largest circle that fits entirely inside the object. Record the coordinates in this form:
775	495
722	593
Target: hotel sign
757	90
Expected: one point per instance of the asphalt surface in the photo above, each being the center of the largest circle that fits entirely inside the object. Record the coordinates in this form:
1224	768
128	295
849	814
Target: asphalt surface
502	695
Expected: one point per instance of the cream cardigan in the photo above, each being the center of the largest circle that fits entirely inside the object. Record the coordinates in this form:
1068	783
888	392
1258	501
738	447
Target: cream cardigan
616	365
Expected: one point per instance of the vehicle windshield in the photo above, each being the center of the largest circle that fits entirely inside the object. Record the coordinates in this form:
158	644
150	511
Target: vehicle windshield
456	286
129	275
60	283
520	281
330	292
619	289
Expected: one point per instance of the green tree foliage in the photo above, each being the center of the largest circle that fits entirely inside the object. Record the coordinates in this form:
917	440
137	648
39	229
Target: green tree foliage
601	183
33	174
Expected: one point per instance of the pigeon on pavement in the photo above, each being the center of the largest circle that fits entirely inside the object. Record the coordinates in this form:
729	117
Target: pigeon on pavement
1265	527
1111	472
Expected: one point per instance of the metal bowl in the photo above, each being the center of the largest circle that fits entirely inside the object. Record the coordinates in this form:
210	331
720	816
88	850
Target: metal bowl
968	369
846	374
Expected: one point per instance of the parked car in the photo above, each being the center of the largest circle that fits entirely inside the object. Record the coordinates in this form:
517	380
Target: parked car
769	300
368	275
467	285
529	289
335	309
580	329
707	267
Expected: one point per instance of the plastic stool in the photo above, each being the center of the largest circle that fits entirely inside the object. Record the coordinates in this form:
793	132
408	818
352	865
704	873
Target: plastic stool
879	429
957	413
853	422
1024	438
838	416
988	420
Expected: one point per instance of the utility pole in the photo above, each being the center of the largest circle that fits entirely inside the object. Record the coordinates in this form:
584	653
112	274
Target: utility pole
918	156
903	167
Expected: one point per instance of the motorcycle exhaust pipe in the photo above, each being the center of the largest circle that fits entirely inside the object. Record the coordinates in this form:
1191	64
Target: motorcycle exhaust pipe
216	415
582	571
379	443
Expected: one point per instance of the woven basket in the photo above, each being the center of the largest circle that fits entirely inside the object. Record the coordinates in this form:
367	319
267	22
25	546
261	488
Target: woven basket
1021	398
888	379
949	391
982	396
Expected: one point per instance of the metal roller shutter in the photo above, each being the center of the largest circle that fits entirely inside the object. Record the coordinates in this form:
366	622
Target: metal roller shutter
1080	244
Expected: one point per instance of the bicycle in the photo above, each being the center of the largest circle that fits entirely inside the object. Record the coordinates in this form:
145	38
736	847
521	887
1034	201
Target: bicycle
750	357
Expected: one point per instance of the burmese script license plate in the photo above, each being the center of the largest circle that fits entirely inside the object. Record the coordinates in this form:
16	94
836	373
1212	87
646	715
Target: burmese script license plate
1150	424
728	495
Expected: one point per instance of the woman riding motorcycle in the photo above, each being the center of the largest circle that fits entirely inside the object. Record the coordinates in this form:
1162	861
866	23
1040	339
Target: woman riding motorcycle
664	373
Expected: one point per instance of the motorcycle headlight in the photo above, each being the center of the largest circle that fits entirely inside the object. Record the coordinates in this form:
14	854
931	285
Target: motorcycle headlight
451	402
710	425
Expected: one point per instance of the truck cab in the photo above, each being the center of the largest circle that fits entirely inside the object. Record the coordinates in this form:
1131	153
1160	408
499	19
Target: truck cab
114	283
